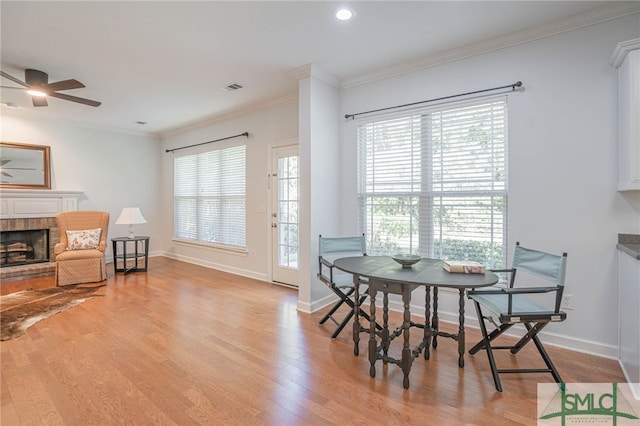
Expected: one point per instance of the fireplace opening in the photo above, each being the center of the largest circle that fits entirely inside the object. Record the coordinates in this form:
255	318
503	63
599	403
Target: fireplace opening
24	247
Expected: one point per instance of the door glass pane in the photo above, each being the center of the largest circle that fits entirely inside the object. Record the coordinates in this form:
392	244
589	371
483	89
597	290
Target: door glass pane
288	202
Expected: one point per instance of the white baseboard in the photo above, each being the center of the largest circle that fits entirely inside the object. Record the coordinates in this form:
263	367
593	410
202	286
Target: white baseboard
219	266
635	387
309	308
109	259
551	339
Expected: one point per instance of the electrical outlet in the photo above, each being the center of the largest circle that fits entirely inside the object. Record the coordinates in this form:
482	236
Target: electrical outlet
567	302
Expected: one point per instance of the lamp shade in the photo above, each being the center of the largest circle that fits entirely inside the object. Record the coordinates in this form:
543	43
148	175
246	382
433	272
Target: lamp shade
130	216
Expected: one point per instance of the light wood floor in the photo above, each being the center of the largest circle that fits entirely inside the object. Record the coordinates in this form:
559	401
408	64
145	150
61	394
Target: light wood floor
185	345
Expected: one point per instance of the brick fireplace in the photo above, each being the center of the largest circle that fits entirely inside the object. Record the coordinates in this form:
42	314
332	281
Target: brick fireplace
32	210
26	269
23	247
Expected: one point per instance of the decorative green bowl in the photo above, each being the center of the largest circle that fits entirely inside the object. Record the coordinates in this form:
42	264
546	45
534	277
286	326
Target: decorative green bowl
406	260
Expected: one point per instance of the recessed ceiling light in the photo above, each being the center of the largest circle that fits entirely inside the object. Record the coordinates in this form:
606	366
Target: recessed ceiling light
344	14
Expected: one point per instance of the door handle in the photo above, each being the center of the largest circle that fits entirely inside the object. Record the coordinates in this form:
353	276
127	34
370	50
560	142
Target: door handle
274	225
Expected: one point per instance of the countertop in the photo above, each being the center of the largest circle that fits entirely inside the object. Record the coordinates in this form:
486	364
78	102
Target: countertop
630	244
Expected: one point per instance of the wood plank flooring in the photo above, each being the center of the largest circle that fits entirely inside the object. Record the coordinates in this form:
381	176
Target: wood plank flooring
183	344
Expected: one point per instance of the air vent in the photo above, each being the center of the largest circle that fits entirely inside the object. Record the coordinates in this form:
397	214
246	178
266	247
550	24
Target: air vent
232	87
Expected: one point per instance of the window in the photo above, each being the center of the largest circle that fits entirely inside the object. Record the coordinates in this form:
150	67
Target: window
434	183
209	197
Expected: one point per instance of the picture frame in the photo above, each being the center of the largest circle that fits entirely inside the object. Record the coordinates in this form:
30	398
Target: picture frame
25	166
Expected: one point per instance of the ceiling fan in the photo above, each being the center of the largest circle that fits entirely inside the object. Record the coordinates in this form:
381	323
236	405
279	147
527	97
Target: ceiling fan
36	83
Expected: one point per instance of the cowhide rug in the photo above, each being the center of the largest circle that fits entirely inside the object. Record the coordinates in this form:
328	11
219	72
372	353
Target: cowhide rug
19	311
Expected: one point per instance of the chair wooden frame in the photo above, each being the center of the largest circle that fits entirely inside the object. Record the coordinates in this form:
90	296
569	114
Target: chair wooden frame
513	307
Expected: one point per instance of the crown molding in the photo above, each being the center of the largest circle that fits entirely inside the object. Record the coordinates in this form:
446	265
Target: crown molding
301	72
608	12
260	106
310	70
24	113
621	51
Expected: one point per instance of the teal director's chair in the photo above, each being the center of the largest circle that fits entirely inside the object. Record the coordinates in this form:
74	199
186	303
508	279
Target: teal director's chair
515	305
341	284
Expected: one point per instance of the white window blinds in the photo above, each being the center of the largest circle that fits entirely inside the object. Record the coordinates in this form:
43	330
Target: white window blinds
209	197
434	183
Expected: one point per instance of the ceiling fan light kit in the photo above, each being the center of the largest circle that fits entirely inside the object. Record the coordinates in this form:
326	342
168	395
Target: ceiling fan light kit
34	92
36	83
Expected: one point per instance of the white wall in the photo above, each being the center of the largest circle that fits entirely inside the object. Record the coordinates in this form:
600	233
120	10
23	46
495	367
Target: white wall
114	170
275	126
562	160
320	188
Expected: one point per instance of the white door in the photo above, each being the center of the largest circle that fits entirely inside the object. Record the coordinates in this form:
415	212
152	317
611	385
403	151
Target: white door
284	214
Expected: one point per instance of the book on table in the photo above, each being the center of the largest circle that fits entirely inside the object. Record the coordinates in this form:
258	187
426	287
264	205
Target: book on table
463	266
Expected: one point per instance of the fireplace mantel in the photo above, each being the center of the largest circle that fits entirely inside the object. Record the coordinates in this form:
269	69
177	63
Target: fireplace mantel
17	203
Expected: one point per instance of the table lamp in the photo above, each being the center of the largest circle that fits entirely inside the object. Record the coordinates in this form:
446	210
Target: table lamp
130	216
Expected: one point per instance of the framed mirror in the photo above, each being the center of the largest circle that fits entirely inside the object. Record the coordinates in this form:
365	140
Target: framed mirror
24	166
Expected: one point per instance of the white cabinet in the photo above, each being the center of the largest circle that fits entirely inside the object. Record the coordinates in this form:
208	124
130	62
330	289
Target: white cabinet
630	320
626	58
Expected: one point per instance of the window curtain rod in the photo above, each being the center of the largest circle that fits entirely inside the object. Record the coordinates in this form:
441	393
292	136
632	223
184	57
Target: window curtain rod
513	87
204	143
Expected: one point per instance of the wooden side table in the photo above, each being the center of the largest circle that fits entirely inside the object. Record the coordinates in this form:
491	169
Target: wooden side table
130	253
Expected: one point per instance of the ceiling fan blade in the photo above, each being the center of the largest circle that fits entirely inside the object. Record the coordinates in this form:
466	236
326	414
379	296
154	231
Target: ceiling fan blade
64	85
75	99
12	78
39	101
